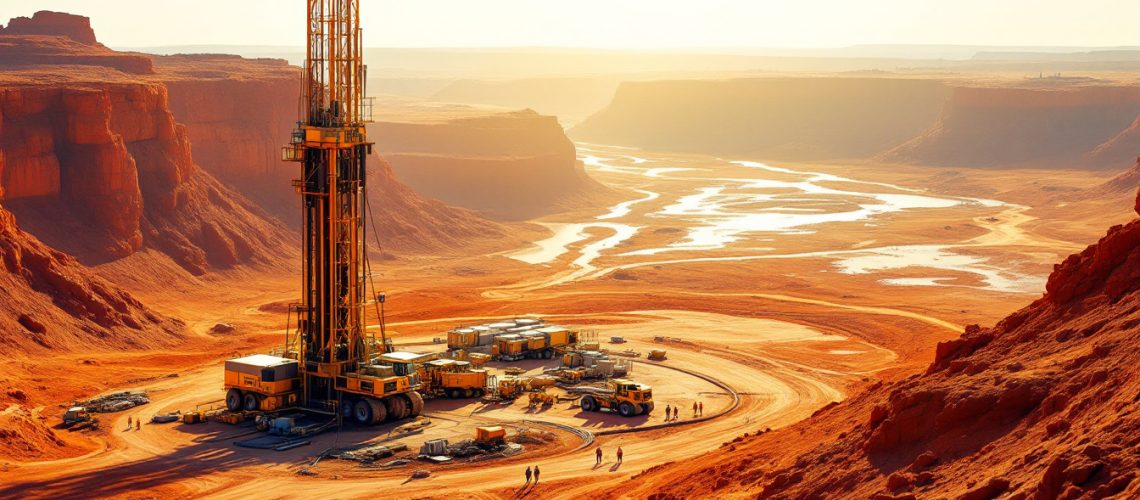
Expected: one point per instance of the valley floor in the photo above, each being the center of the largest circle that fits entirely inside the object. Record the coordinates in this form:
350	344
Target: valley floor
786	286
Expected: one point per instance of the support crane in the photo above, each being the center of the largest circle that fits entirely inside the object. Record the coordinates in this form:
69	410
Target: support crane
329	363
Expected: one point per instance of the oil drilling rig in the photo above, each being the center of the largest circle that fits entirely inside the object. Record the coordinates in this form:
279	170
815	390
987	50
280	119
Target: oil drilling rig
329	362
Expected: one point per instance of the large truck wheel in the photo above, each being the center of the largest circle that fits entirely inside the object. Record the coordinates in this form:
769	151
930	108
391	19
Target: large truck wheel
453	393
647	408
368	411
416	403
233	400
251	401
627	410
469	393
397	407
589	403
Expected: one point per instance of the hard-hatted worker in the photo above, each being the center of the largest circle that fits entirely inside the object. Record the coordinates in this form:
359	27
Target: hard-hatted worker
598	455
536	473
619	454
702	408
694	409
528	474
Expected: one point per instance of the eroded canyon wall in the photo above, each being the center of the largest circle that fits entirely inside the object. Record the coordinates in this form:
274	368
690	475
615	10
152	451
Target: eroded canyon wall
920	121
95	164
779	118
987	127
510	165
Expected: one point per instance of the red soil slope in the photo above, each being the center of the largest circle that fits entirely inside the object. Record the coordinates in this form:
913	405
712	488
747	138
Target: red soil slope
513	166
48	301
1043	405
1124	145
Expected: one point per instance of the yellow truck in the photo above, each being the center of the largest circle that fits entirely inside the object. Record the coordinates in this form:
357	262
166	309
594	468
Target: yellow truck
539	343
453	379
261	382
625	397
383	390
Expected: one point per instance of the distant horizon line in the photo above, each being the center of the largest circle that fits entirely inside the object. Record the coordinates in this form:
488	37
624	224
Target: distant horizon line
738	49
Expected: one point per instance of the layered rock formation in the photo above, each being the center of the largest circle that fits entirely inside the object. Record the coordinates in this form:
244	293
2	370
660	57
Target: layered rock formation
513	165
891	120
1028	127
96	165
780	118
1043	405
77	28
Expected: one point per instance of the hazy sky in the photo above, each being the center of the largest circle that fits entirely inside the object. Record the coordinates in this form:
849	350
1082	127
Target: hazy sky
639	24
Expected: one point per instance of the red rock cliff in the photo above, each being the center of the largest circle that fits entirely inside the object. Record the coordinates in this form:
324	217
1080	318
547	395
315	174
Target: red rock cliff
95	165
77	28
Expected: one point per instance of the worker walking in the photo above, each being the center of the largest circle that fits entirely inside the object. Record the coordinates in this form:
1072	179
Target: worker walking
694	409
128	422
528	474
619	454
598	455
667	411
536	472
138	424
702	408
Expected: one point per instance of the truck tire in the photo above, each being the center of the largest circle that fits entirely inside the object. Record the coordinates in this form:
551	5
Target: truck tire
233	400
453	394
397	407
416	404
368	411
251	401
647	408
346	407
627	410
469	393
589	403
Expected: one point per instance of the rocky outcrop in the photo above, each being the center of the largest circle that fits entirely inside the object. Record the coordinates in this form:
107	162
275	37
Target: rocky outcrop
511	166
987	127
780	118
1042	405
49	300
77	28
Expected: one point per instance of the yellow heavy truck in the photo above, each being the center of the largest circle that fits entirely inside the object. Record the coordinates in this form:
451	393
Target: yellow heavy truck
625	397
539	343
261	382
449	378
369	395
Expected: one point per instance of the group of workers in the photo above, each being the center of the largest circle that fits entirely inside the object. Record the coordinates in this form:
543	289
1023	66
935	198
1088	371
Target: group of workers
598	455
534	473
137	422
674	413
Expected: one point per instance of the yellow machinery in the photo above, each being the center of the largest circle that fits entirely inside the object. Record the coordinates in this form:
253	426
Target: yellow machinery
334	363
490	435
452	379
625	397
540	398
540	343
509	387
261	382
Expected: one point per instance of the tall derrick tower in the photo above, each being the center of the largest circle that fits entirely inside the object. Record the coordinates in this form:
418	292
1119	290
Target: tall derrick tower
327	364
331	144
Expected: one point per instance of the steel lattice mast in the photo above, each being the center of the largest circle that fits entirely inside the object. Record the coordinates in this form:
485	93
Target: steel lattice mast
331	143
